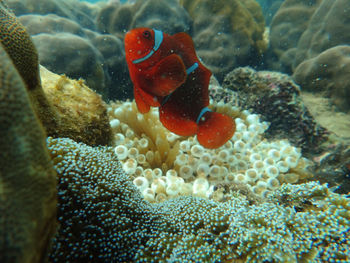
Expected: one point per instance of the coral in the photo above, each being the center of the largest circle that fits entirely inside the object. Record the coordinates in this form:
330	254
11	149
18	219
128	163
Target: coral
59	117
63	29
227	34
88	65
20	48
168	16
77	11
164	165
327	28
27	179
82	112
287	26
333	167
269	8
104	219
277	98
301	30
327	74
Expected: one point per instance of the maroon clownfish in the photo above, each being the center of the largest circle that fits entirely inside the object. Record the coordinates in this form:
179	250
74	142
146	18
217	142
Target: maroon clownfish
167	73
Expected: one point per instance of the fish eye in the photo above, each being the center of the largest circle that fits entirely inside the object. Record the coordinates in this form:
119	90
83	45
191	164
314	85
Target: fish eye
146	34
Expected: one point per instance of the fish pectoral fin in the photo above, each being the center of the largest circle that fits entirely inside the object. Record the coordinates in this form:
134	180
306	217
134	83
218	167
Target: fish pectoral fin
215	129
144	100
168	74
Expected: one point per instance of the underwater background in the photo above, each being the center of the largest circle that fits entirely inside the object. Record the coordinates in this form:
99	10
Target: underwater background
85	177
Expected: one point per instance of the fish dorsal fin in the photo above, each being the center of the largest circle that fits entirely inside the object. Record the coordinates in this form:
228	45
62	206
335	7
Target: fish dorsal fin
186	44
167	75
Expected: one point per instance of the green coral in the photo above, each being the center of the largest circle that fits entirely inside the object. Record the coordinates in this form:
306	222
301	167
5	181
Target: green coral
104	219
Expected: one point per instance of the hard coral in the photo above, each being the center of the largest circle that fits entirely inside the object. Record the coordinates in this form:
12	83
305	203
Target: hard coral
226	33
17	43
82	112
57	118
169	16
104	219
27	179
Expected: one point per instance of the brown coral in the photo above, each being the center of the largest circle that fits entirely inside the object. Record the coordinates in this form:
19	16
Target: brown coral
27	180
227	34
81	116
18	45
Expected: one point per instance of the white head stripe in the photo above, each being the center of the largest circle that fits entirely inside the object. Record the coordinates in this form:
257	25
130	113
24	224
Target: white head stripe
203	111
158	39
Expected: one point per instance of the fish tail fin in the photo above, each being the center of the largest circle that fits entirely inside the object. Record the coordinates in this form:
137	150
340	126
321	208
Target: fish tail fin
215	129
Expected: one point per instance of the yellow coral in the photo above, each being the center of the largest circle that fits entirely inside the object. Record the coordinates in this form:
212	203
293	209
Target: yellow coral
81	112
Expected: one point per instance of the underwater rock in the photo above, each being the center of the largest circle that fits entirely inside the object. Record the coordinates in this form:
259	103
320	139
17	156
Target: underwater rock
27	179
81	111
104	218
327	74
277	99
227	34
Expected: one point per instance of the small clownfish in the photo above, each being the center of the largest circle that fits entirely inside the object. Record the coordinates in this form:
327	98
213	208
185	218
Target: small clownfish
167	73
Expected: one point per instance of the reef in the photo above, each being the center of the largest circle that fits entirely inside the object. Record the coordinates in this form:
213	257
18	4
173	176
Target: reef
277	99
62	29
27	179
287	26
307	40
327	74
18	45
104	218
163	165
224	39
60	117
168	16
227	34
81	111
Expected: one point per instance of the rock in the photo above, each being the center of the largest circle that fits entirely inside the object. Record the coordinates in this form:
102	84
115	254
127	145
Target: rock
277	99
